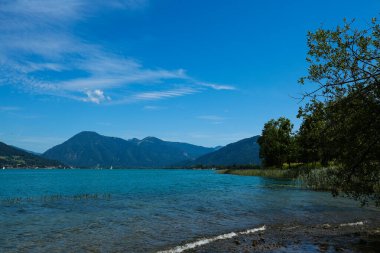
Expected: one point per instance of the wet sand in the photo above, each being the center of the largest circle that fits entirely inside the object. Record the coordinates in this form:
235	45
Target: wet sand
351	237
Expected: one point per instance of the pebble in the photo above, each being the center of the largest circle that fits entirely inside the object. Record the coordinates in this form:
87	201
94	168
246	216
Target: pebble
326	226
255	243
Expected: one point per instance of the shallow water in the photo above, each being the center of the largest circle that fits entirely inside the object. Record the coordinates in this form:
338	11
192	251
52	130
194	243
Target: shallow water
149	210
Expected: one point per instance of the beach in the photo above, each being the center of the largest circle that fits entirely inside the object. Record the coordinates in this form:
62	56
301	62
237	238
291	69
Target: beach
358	236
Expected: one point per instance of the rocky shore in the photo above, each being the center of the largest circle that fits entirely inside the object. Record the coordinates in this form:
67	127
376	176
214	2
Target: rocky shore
350	237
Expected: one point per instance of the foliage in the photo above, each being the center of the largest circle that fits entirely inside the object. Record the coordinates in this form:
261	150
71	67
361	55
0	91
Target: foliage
311	137
271	173
276	142
345	64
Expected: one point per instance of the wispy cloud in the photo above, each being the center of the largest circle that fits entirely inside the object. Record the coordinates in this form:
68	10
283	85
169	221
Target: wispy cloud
156	95
129	4
217	86
19	112
211	117
153	108
215	119
9	108
38	47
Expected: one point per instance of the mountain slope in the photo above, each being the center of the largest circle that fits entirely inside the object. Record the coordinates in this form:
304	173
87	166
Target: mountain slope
12	157
89	149
245	151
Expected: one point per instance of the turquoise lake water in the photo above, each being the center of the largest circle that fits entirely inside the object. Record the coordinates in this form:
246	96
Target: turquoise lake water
149	210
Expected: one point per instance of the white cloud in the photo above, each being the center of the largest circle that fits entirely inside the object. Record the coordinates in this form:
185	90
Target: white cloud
96	96
37	42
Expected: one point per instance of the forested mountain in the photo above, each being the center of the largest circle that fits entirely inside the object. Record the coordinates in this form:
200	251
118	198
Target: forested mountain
245	152
13	157
90	149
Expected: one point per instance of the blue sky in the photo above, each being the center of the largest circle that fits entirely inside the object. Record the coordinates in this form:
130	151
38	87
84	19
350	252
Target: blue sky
203	72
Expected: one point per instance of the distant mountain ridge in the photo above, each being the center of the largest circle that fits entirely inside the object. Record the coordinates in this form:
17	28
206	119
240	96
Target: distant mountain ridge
242	152
90	149
13	157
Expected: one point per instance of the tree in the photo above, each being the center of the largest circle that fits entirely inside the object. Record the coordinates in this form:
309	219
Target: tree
276	142
345	65
312	136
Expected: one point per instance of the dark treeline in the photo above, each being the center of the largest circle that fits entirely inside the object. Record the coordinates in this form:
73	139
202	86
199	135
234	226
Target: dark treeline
341	117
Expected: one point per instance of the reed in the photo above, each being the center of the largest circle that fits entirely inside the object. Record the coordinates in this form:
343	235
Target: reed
316	178
11	200
55	198
322	179
270	173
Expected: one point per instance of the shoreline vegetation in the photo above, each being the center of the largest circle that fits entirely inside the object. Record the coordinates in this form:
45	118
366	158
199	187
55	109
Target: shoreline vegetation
313	177
310	176
270	173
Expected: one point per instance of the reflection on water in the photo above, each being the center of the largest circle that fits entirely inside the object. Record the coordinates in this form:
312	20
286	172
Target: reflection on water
147	210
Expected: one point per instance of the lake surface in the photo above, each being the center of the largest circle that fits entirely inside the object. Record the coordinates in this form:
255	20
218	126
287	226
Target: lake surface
149	210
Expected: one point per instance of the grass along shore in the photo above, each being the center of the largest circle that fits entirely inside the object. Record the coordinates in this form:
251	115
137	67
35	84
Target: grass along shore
312	177
288	171
271	173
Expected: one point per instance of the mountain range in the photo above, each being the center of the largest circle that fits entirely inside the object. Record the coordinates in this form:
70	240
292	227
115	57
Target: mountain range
90	150
12	157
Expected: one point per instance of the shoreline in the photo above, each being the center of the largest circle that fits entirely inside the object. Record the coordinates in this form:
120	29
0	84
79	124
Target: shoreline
356	236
